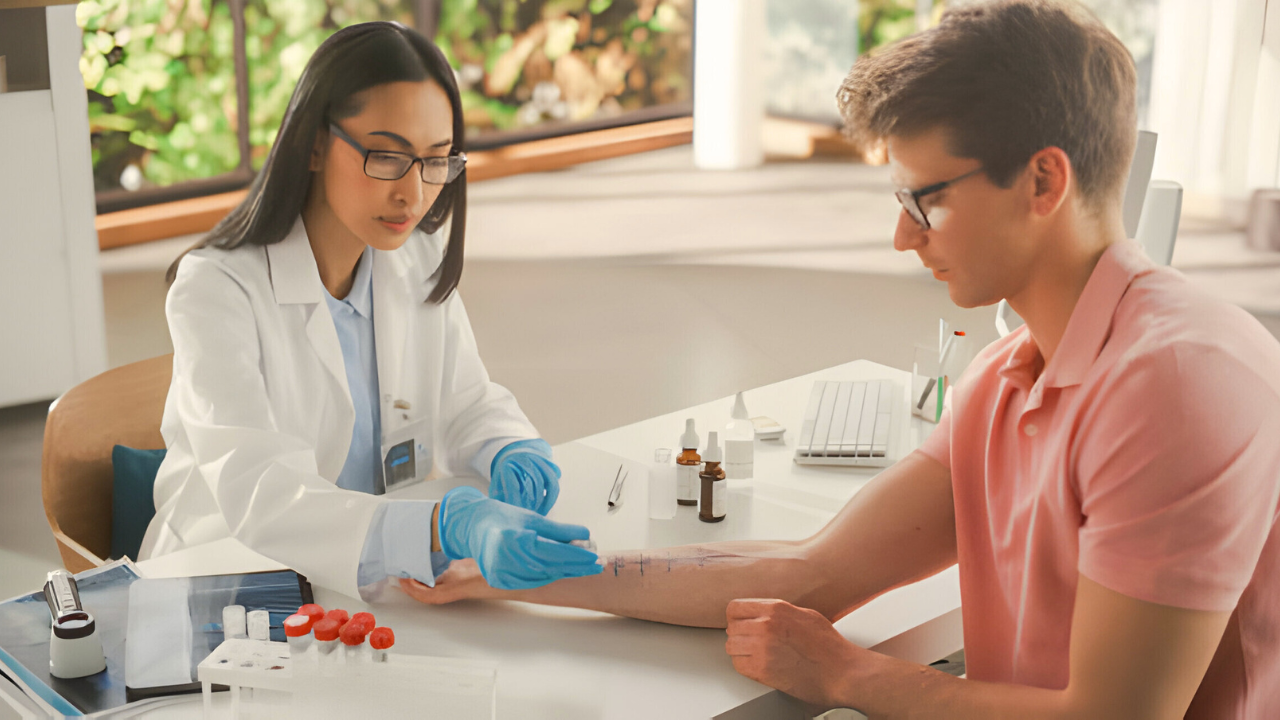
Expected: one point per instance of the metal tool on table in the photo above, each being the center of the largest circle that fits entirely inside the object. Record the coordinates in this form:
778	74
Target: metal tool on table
615	495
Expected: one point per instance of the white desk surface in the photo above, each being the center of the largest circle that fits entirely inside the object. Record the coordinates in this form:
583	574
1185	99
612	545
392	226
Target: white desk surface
566	664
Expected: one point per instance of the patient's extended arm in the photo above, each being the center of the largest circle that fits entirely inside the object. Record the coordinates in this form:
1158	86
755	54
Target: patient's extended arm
898	529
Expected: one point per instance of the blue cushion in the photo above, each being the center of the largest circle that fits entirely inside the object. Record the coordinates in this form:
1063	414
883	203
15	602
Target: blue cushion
132	501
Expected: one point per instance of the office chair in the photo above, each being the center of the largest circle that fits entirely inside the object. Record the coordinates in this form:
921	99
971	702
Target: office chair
119	407
1151	212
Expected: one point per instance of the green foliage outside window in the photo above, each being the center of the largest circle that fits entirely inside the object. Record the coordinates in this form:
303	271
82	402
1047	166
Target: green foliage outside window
882	22
523	62
161	80
162	94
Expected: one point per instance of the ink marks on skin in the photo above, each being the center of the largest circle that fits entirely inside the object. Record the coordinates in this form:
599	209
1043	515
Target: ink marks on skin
618	564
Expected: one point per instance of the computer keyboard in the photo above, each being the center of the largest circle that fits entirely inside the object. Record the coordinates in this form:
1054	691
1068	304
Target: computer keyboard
851	423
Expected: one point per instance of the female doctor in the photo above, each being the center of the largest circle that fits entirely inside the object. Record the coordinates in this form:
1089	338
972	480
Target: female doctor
322	355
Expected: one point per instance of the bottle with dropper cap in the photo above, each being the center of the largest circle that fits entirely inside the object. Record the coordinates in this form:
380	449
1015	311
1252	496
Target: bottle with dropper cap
712	508
739	443
688	466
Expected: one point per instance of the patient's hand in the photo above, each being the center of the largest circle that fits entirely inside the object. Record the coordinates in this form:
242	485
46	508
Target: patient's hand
462	581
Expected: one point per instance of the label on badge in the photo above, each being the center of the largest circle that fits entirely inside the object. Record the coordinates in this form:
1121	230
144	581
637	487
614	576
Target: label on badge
405	457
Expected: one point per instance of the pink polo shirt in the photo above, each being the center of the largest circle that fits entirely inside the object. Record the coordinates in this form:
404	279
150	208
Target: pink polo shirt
1145	456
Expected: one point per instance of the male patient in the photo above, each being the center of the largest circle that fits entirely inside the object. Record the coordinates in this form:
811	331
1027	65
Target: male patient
1107	477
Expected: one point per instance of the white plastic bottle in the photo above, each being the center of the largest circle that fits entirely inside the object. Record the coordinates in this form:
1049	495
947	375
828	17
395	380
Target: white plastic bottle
739	443
662	485
688	466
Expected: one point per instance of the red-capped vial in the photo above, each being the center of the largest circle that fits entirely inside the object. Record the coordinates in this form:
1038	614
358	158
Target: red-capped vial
352	635
381	640
366	620
313	611
338	614
326	637
297	631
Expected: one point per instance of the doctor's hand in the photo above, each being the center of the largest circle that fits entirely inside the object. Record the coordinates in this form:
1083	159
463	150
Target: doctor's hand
524	475
795	650
514	548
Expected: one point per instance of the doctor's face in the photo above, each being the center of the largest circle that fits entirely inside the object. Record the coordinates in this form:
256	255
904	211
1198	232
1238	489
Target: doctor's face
413	118
978	241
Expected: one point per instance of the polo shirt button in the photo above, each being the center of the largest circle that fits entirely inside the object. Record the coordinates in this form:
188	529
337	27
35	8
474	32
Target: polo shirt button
1030	430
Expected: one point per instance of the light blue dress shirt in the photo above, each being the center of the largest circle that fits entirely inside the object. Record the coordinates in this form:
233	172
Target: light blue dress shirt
399	540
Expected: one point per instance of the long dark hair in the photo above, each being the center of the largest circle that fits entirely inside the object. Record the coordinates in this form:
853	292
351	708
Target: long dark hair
353	59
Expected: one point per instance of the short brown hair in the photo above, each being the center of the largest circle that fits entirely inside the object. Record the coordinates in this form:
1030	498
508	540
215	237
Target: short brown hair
1006	79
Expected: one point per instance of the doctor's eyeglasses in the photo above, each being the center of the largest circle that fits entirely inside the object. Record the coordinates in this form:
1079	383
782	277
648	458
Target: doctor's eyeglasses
910	199
388	165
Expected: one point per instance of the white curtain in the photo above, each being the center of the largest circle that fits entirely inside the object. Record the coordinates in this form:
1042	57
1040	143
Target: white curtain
1215	97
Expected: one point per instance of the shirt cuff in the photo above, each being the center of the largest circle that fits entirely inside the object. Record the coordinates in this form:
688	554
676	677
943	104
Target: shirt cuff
398	544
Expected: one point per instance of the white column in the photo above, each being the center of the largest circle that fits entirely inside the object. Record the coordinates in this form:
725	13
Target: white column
75	175
728	84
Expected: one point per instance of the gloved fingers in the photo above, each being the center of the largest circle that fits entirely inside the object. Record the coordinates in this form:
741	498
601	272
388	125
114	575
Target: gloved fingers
523	578
558	531
549	499
550	554
530	488
547	468
580	570
510	486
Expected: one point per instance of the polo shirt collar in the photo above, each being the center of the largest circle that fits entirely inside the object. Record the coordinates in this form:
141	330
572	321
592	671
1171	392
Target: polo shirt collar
1090	324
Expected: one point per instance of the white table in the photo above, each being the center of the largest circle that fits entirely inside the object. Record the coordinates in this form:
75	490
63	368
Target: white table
565	664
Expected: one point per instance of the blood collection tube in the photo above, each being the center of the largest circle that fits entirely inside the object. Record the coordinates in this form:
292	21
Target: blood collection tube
380	640
259	625
338	614
233	622
313	611
297	631
326	639
365	619
354	650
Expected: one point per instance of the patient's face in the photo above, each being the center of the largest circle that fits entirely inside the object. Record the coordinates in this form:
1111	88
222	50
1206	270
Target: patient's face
978	241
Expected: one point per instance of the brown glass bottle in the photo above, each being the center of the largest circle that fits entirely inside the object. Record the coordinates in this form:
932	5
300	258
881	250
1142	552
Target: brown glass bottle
688	465
714	488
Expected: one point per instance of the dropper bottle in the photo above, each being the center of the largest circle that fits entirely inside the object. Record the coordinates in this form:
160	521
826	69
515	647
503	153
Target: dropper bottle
688	466
714	487
739	443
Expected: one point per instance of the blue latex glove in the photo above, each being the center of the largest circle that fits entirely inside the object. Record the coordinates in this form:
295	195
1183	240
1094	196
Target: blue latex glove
515	548
522	474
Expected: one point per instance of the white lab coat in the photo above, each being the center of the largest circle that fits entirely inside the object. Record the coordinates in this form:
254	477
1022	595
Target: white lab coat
258	419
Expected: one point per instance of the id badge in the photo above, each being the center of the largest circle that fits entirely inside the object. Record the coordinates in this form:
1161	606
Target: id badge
405	457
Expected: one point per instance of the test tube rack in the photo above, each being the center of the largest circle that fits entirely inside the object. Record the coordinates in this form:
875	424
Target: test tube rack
265	681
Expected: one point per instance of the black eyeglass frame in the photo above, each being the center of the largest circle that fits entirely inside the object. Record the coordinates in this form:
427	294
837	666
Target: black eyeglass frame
910	199
455	163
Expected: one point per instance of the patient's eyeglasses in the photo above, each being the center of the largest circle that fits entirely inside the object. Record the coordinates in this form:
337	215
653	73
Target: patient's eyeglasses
388	165
910	199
